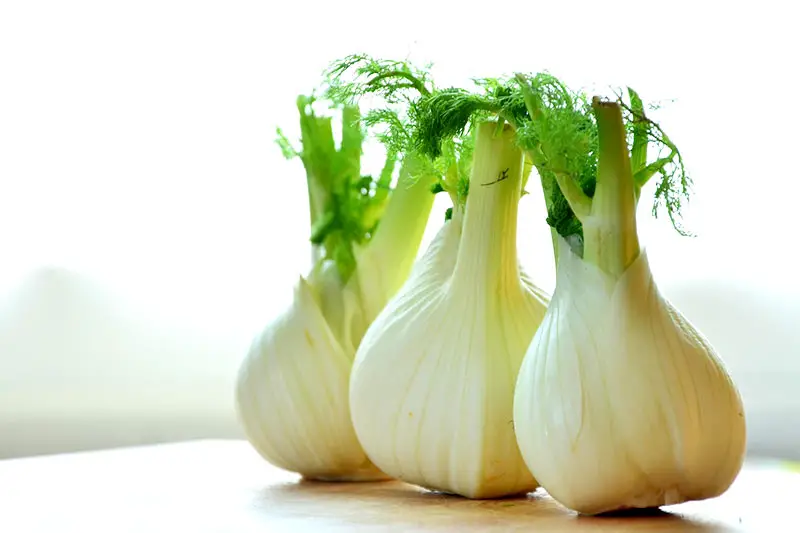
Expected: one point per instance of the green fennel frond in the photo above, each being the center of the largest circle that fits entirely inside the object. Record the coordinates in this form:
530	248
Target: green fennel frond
442	132
448	113
560	137
389	128
561	141
359	74
674	187
443	116
397	85
554	125
407	94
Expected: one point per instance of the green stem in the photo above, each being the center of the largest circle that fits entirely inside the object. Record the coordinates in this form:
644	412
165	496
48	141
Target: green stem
580	204
318	145
611	241
640	132
413	80
318	195
403	223
487	256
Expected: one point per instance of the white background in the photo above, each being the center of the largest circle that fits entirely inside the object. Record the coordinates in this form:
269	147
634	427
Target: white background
149	225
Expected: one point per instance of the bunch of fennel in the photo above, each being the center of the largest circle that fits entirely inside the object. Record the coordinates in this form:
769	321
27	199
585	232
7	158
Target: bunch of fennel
292	388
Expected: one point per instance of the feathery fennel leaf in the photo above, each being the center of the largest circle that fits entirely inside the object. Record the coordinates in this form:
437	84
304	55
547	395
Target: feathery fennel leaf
405	91
674	188
360	74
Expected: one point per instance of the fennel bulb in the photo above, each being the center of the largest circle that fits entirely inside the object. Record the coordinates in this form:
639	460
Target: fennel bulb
620	402
292	388
431	388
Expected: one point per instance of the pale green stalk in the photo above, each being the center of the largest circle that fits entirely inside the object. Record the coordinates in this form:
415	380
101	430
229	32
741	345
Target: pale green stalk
404	220
610	238
488	258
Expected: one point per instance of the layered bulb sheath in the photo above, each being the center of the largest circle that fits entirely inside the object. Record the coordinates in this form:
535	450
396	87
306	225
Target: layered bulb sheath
620	402
292	396
292	388
431	389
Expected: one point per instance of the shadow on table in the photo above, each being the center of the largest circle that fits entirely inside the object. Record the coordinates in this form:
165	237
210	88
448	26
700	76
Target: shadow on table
406	507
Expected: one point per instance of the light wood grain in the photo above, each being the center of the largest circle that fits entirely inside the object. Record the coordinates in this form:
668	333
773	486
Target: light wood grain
223	486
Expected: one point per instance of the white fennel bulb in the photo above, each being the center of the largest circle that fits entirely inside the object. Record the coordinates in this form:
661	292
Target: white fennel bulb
292	395
292	388
620	402
431	389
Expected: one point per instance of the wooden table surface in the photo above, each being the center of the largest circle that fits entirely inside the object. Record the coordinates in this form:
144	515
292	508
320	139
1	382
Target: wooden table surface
223	486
